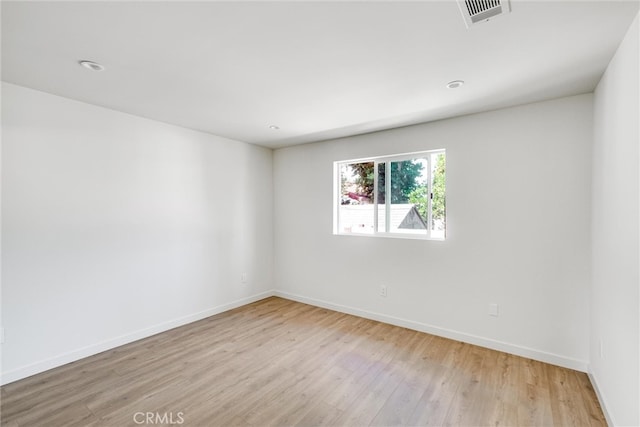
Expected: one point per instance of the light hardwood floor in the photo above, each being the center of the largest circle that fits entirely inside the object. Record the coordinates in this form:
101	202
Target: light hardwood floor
282	363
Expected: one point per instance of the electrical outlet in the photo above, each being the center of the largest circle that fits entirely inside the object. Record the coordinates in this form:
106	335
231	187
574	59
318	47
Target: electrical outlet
493	310
243	277
383	291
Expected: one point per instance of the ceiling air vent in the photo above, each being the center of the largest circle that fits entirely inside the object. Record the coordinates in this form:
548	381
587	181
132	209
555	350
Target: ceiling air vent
475	11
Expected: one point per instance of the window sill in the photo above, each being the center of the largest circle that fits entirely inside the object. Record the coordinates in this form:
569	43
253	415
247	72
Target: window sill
392	236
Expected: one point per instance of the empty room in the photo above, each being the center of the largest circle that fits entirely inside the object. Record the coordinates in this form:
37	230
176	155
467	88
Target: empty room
340	213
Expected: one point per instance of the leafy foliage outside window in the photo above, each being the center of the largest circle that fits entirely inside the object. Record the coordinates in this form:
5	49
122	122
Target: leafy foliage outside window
405	179
418	197
356	183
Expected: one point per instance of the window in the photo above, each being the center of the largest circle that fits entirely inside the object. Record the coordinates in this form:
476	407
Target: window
399	196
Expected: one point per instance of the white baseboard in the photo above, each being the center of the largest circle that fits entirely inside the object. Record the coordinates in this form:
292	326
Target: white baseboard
601	399
554	359
72	356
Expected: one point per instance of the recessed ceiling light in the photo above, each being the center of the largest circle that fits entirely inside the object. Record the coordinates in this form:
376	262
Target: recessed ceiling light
455	84
274	127
93	66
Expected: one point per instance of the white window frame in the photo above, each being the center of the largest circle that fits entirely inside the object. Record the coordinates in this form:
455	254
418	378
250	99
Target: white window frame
387	160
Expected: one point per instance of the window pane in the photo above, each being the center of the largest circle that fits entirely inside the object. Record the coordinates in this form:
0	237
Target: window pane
356	198
409	202
438	215
381	198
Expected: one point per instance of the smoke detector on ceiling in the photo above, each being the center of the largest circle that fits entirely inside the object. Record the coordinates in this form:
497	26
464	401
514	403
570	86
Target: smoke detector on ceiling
477	11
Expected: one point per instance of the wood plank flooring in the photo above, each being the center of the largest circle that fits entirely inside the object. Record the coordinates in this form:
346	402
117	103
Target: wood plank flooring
282	363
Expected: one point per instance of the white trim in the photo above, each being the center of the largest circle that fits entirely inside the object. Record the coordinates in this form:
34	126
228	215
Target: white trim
386	161
392	157
430	166
542	356
394	236
336	198
72	356
600	396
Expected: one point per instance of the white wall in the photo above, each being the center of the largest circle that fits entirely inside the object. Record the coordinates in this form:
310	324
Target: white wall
115	227
616	275
518	214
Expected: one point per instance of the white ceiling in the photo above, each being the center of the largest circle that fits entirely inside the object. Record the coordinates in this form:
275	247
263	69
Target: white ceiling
317	70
